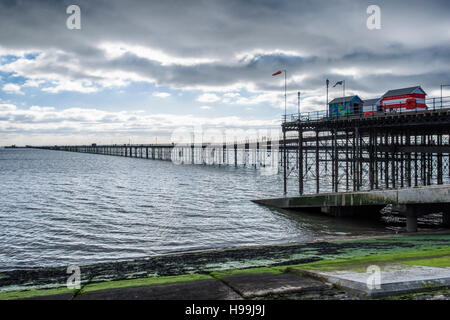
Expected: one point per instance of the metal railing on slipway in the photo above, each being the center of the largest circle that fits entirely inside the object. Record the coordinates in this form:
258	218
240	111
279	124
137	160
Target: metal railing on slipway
433	104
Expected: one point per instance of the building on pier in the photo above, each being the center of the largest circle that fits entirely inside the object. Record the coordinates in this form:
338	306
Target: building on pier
404	100
344	106
398	100
371	106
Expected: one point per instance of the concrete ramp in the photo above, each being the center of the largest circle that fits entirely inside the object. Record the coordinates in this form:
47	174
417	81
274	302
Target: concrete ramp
392	281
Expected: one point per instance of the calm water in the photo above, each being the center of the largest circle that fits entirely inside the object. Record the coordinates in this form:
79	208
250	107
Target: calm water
60	208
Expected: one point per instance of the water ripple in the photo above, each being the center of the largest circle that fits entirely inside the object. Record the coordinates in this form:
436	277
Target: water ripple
61	208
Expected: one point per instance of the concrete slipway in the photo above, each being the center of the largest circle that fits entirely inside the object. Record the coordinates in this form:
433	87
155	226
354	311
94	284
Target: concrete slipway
411	202
393	280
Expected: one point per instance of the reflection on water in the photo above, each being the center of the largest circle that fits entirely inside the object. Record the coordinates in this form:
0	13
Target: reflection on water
61	208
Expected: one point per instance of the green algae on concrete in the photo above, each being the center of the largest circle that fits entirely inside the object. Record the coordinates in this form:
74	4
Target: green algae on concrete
255	263
226	273
366	247
439	262
25	294
418	241
390	245
143	282
416	295
437	256
33	293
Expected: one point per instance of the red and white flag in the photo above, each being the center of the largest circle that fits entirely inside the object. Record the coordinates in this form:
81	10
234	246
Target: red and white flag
277	73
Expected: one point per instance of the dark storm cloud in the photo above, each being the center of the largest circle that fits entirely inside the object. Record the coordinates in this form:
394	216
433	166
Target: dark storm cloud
246	41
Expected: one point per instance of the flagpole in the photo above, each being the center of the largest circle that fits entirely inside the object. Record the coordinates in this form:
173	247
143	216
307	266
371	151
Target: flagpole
328	107
285	89
344	94
344	88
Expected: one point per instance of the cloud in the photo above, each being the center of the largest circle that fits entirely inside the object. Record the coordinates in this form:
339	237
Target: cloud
221	51
208	97
116	50
48	120
12	88
161	94
7	107
205	107
231	45
33	83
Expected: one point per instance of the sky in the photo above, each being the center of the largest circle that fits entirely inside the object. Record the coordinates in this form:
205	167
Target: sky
137	71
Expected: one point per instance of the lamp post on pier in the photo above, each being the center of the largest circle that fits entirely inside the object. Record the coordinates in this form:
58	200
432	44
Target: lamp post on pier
284	131
328	84
442	87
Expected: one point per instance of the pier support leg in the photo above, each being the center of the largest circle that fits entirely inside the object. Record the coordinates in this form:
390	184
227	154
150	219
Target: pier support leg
446	219
338	211
284	163
411	219
411	213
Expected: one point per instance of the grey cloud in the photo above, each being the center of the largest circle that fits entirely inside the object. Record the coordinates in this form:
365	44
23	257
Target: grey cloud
327	34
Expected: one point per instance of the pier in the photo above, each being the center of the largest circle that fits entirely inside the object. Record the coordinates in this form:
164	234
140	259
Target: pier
343	164
326	154
359	152
258	153
358	164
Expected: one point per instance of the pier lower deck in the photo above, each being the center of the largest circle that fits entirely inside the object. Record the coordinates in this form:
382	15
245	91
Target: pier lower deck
411	202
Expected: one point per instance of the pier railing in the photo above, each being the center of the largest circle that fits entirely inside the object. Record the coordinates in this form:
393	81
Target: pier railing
433	104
